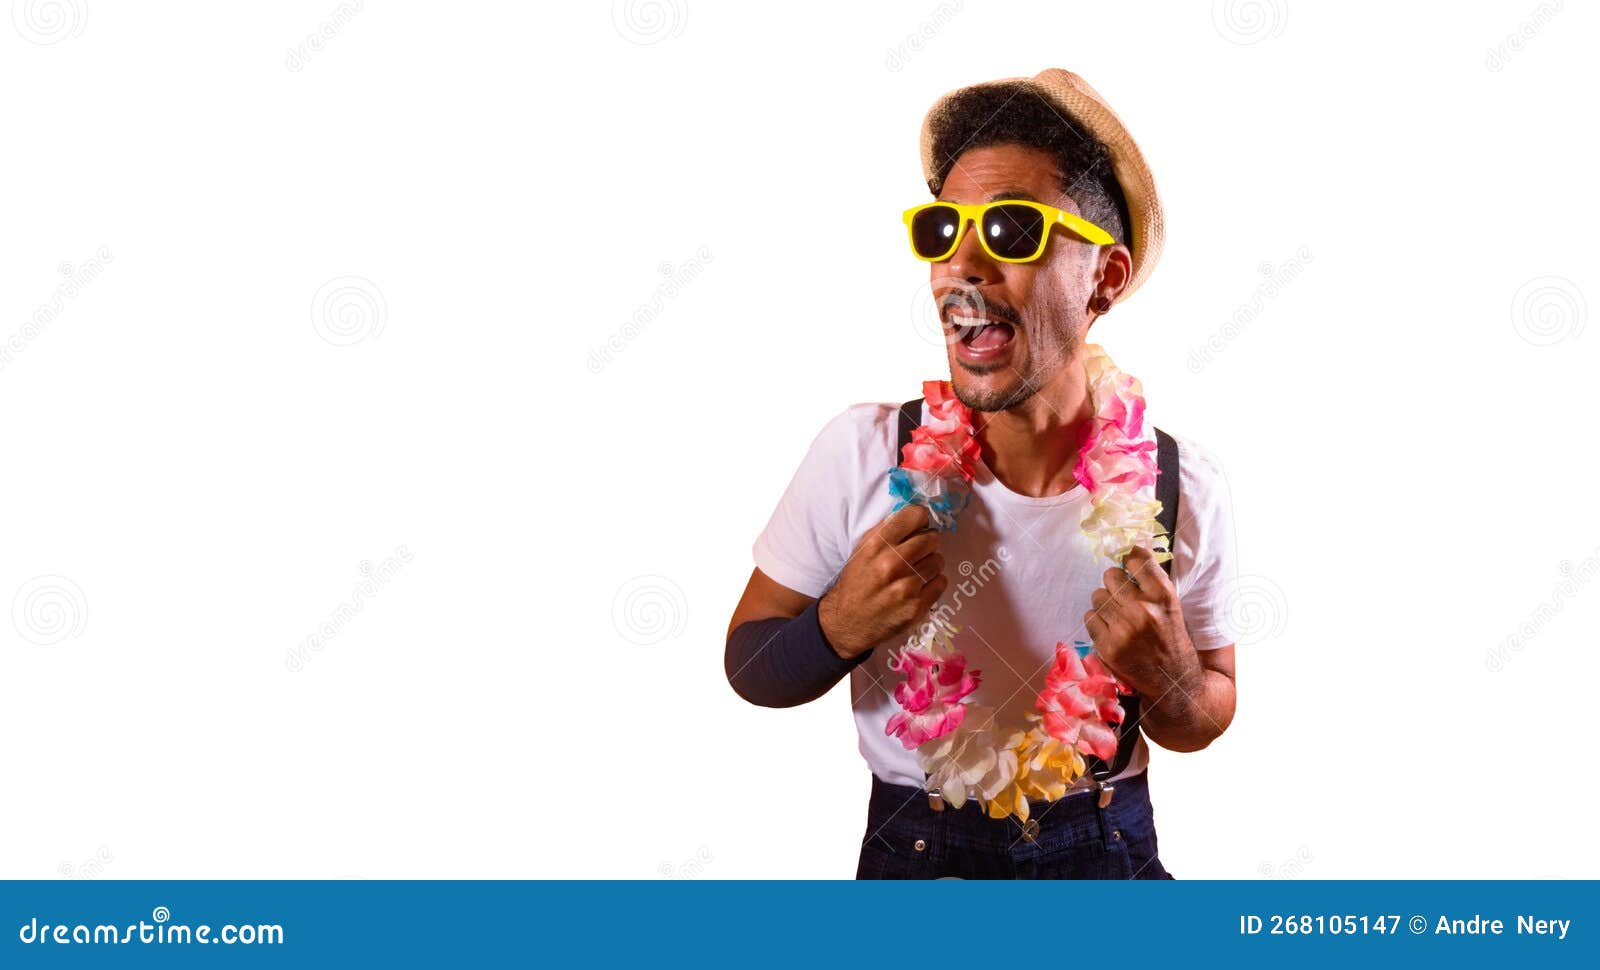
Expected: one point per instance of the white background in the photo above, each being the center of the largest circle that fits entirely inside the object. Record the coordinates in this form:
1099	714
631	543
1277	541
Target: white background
206	439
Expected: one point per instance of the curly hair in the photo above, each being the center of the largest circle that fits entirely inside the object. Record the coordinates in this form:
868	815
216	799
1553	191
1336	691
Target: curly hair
1014	113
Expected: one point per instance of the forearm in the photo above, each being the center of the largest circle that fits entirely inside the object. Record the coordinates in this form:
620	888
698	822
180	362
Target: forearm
782	662
1192	712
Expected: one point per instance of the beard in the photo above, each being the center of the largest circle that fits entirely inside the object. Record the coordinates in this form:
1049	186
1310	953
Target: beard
1049	348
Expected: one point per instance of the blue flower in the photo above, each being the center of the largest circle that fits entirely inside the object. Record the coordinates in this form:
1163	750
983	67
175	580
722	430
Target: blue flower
901	488
945	501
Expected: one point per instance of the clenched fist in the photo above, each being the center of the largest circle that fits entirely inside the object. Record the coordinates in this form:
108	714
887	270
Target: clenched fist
1137	627
894	575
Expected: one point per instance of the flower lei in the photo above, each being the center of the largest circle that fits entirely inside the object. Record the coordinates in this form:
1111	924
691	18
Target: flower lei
957	742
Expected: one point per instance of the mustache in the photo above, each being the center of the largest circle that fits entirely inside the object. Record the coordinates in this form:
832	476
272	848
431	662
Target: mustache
979	307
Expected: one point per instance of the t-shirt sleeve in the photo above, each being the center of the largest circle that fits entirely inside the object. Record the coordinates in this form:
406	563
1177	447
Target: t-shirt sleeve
807	540
1206	567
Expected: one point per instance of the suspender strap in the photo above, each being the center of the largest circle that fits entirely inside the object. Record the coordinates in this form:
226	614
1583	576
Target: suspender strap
910	417
1167	488
1167	495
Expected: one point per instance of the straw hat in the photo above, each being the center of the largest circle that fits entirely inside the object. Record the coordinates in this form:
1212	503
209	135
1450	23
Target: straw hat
1074	98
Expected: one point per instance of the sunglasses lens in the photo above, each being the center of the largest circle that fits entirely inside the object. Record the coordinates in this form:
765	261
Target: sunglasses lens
934	231
1014	231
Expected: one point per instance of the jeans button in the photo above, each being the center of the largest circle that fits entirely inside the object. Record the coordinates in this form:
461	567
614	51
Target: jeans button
1030	830
1116	835
919	845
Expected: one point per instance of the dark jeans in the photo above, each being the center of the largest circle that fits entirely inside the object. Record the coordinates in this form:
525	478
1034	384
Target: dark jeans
1075	839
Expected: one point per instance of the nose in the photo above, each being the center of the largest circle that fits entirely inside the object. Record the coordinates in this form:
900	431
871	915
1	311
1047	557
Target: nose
970	262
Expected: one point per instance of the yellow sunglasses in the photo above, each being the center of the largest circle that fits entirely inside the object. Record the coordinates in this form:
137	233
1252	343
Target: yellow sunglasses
1011	230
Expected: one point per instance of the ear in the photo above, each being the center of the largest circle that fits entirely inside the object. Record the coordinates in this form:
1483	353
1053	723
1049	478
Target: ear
1114	270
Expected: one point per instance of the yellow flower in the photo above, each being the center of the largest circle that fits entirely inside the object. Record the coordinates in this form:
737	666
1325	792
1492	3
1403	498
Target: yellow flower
1051	768
1046	769
1009	801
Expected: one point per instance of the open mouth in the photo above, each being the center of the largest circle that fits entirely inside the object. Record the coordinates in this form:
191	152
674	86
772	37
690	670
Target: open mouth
978	337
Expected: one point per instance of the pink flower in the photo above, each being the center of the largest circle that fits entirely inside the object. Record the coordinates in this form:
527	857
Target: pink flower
1108	457
1106	463
1126	408
1114	451
930	697
943	455
1079	703
946	413
942	445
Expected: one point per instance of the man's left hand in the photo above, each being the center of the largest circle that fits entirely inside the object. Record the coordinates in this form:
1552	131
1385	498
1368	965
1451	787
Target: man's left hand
1137	628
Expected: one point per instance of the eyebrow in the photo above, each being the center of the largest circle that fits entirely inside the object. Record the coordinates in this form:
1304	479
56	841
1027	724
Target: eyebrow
1012	194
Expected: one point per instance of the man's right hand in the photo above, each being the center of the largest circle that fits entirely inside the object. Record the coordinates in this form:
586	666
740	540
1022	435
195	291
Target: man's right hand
894	575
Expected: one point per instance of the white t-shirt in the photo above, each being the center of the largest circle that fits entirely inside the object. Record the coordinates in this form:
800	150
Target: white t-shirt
1020	570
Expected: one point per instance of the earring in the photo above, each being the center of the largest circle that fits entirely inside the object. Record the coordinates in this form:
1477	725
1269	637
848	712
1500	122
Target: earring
1101	303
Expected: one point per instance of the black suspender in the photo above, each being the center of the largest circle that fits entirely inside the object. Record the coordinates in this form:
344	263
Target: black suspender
910	417
1167	494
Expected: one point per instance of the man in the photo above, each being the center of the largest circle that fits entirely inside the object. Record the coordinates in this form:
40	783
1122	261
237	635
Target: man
840	580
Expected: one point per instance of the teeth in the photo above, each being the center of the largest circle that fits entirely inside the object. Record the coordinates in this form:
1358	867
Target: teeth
973	324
